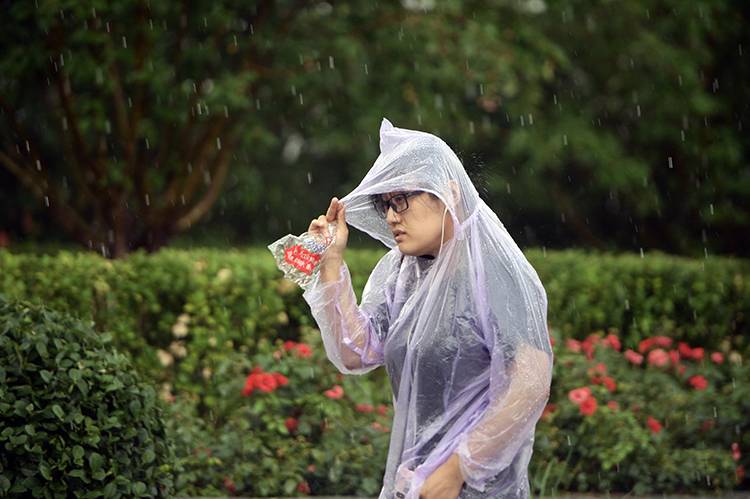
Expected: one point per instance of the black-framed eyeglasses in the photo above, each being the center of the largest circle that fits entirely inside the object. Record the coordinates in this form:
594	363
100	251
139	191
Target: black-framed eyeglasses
399	202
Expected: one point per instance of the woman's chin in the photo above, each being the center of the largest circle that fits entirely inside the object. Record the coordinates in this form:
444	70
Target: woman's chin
408	250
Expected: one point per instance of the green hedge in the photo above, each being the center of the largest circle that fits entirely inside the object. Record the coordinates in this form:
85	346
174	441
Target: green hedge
178	311
75	419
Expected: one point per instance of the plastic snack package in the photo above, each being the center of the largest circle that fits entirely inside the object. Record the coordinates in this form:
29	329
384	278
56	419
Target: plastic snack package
299	256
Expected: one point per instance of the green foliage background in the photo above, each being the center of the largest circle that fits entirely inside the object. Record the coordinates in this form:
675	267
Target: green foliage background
615	125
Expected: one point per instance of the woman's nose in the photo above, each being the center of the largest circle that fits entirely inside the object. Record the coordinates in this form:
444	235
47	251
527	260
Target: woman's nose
391	216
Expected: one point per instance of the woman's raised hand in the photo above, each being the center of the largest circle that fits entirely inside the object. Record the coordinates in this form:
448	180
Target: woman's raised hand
319	226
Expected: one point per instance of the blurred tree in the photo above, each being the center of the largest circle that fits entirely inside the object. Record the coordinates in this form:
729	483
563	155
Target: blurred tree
603	124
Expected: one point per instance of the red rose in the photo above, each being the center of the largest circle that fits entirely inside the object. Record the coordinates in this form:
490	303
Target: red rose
717	358
613	341
698	353
382	410
685	350
612	404
573	345
303	487
304	351
229	485
662	341
291	424
588	406
579	395
364	408
645	345
266	382
698	382
736	454
658	357
549	409
609	383
281	380
633	357
334	393
289	345
653	424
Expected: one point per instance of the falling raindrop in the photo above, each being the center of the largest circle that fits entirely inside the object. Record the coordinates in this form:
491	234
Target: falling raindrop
148	200
218	143
669	160
531	119
46	201
148	145
471	127
565	139
642	253
226	112
366	71
107	126
65	123
569	442
627	304
301	99
38	165
124	42
309	177
638	110
522	122
330	62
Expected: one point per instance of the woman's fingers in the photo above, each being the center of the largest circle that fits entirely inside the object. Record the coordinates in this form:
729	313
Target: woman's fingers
332	210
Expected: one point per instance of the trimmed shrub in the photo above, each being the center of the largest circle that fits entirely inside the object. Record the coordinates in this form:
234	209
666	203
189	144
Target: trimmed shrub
75	418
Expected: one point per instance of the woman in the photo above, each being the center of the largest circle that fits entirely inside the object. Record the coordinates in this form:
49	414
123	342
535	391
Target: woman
454	312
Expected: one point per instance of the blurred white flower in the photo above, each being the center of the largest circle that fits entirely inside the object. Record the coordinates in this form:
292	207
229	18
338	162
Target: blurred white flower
178	349
224	275
165	357
206	372
282	318
212	341
180	329
735	357
166	392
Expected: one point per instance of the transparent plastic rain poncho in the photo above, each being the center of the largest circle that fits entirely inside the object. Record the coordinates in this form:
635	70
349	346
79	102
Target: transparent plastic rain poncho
463	336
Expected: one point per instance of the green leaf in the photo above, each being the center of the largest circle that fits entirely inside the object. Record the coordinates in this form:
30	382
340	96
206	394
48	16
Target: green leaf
95	461
45	471
139	488
58	411
148	456
46	375
41	348
77	452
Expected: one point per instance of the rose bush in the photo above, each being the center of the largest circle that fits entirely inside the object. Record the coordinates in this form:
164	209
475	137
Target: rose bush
674	423
288	424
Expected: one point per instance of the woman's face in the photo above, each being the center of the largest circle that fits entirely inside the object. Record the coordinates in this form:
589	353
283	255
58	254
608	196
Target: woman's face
418	228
